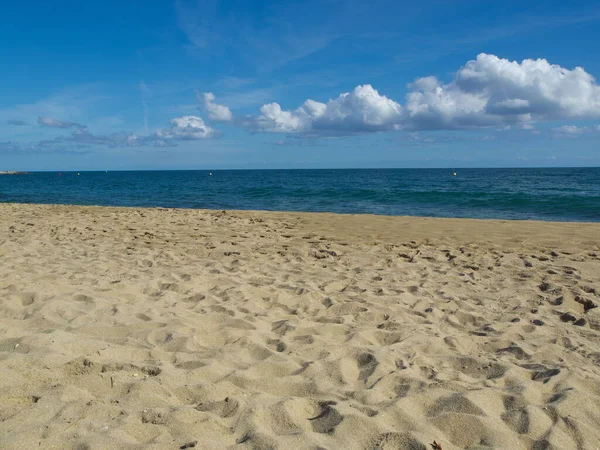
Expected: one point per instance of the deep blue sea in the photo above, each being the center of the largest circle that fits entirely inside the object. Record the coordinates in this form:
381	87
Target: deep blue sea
571	194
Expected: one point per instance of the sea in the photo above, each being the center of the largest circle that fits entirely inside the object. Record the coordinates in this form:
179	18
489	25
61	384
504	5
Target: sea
555	194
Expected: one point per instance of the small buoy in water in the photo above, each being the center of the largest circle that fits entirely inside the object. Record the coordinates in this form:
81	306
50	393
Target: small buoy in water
210	174
453	174
78	174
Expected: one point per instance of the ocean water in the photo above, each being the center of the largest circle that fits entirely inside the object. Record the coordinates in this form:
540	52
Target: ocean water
570	194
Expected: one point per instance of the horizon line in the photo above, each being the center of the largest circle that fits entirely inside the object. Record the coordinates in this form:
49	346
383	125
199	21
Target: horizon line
302	168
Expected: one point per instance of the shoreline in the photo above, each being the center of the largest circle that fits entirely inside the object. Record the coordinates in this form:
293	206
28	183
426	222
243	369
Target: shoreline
157	328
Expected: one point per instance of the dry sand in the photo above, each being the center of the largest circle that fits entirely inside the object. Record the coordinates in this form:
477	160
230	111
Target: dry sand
157	329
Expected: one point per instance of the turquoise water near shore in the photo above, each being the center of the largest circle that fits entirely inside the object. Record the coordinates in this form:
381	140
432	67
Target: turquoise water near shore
569	194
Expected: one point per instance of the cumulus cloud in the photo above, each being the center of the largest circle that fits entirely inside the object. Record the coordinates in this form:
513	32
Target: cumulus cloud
493	91
430	105
274	119
486	92
216	112
363	109
50	122
187	128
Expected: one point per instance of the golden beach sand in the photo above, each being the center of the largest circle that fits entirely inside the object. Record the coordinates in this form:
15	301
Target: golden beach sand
160	329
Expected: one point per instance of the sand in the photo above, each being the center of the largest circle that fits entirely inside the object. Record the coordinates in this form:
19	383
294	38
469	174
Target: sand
166	329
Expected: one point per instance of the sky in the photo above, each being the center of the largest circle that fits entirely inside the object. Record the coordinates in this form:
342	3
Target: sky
256	84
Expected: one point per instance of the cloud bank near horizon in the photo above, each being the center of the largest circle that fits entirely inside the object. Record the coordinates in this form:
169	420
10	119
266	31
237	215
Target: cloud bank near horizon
186	128
488	92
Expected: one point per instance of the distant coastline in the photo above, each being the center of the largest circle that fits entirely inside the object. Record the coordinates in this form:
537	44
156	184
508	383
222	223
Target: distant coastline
12	172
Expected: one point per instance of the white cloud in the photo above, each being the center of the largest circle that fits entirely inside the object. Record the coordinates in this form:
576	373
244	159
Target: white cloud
486	92
363	109
186	128
216	112
491	90
274	119
435	106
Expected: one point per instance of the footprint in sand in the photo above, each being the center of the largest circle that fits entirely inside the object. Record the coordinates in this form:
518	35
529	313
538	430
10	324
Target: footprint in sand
327	419
224	408
28	298
390	441
516	415
277	345
367	363
475	368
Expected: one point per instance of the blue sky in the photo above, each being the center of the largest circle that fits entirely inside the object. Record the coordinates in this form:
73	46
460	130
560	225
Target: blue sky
294	84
